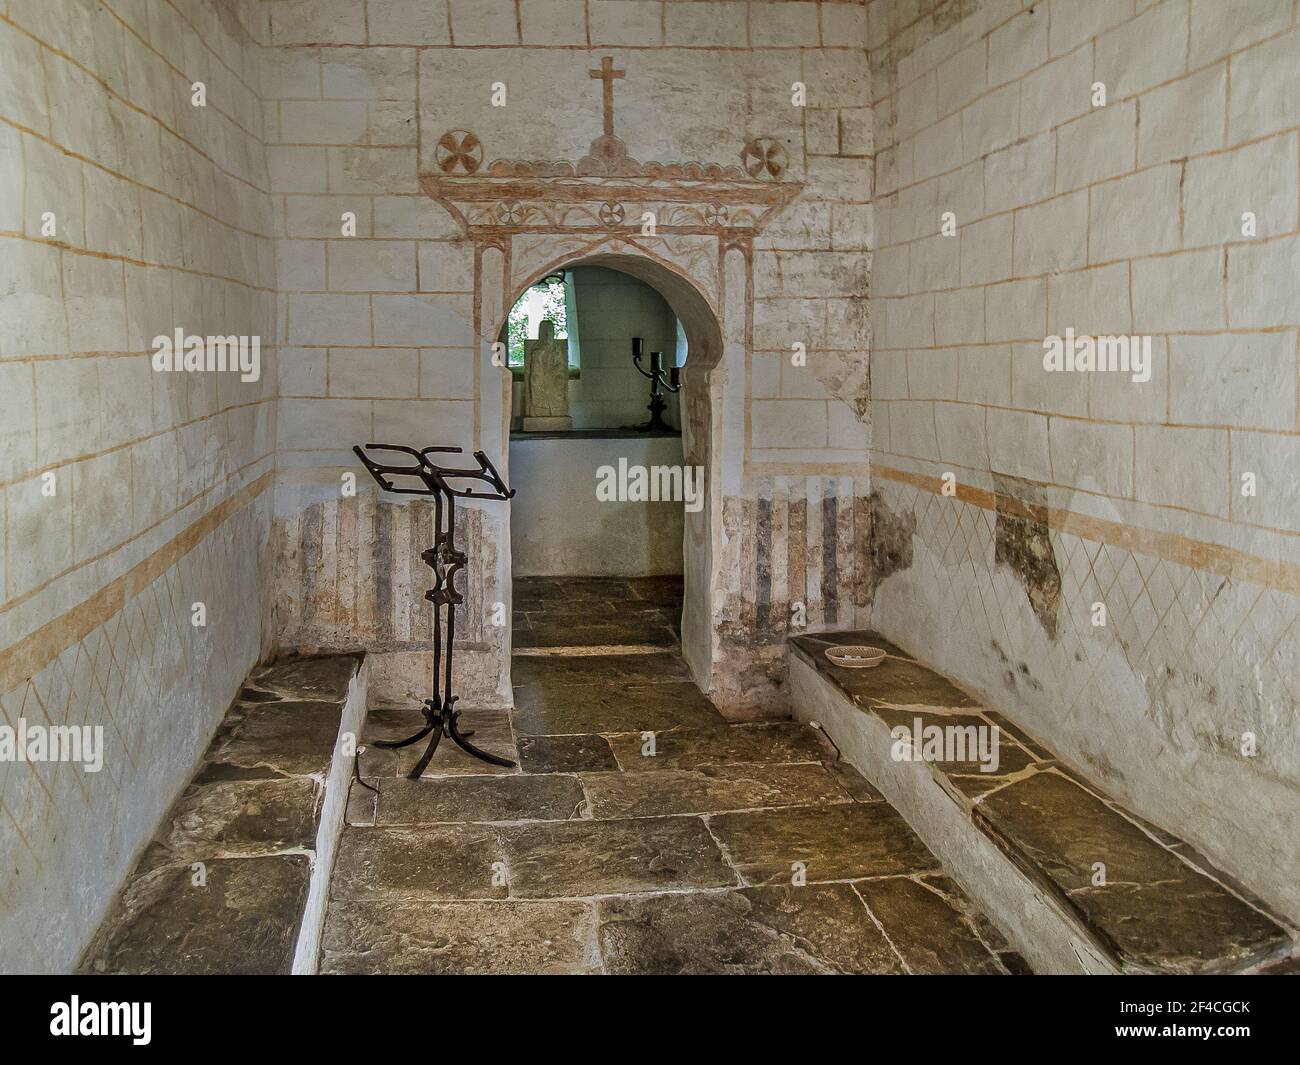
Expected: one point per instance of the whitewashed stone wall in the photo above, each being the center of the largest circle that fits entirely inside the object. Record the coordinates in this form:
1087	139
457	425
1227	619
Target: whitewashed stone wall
379	329
161	219
558	526
1074	489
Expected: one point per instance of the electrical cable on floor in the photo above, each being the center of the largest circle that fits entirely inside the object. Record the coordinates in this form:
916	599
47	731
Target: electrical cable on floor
356	770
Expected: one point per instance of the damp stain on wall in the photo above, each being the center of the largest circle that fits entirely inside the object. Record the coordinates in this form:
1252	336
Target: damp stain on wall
1023	543
889	543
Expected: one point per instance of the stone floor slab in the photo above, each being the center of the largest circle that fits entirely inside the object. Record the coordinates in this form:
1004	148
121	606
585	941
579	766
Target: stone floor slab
689	748
491	729
565	754
547	710
243	919
927	928
532	604
550	591
589	612
548	797
770	930
560	671
571	859
425	863
666	590
832	843
710	789
566	632
459	938
853	782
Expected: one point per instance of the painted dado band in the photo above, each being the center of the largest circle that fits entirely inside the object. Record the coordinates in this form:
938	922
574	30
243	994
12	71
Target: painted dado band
1172	547
38	649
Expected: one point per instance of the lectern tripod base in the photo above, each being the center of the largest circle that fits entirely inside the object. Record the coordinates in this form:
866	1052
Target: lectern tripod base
441	722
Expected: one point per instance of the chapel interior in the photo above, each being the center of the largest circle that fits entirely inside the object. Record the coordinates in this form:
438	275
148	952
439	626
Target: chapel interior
650	487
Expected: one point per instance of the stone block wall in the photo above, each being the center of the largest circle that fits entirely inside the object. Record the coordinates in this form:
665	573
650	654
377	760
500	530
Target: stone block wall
1169	212
376	327
382	334
126	495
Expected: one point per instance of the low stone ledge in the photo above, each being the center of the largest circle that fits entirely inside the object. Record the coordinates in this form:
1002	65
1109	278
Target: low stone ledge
233	880
1077	882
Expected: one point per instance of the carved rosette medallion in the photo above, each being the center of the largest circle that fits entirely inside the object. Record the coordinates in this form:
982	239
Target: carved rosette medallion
458	151
764	158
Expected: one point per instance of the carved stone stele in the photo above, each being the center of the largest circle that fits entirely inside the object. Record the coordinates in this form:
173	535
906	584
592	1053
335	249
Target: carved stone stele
546	382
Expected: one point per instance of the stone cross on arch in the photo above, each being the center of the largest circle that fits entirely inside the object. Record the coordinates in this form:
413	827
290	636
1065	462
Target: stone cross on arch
607	74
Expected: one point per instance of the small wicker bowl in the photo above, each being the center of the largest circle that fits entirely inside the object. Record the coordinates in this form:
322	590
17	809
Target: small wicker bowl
856	656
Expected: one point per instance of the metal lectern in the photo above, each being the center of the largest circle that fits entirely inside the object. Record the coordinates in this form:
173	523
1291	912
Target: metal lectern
417	474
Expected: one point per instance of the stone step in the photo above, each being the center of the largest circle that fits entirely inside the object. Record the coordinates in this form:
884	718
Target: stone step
235	878
1073	879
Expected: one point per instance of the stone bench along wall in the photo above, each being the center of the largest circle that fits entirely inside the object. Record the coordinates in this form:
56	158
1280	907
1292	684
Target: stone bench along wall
235	878
1078	882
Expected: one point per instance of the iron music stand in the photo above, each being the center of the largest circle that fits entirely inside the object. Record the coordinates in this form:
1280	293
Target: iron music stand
419	475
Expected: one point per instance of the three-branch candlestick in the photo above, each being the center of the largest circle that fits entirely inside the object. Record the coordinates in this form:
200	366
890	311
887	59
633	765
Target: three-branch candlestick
672	381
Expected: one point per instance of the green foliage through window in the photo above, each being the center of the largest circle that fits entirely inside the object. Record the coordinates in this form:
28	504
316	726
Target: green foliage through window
542	301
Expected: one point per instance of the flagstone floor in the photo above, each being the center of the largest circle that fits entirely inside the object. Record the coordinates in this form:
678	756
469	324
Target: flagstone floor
558	612
640	833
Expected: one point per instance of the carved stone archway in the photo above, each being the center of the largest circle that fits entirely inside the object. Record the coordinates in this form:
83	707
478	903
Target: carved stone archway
700	447
687	229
